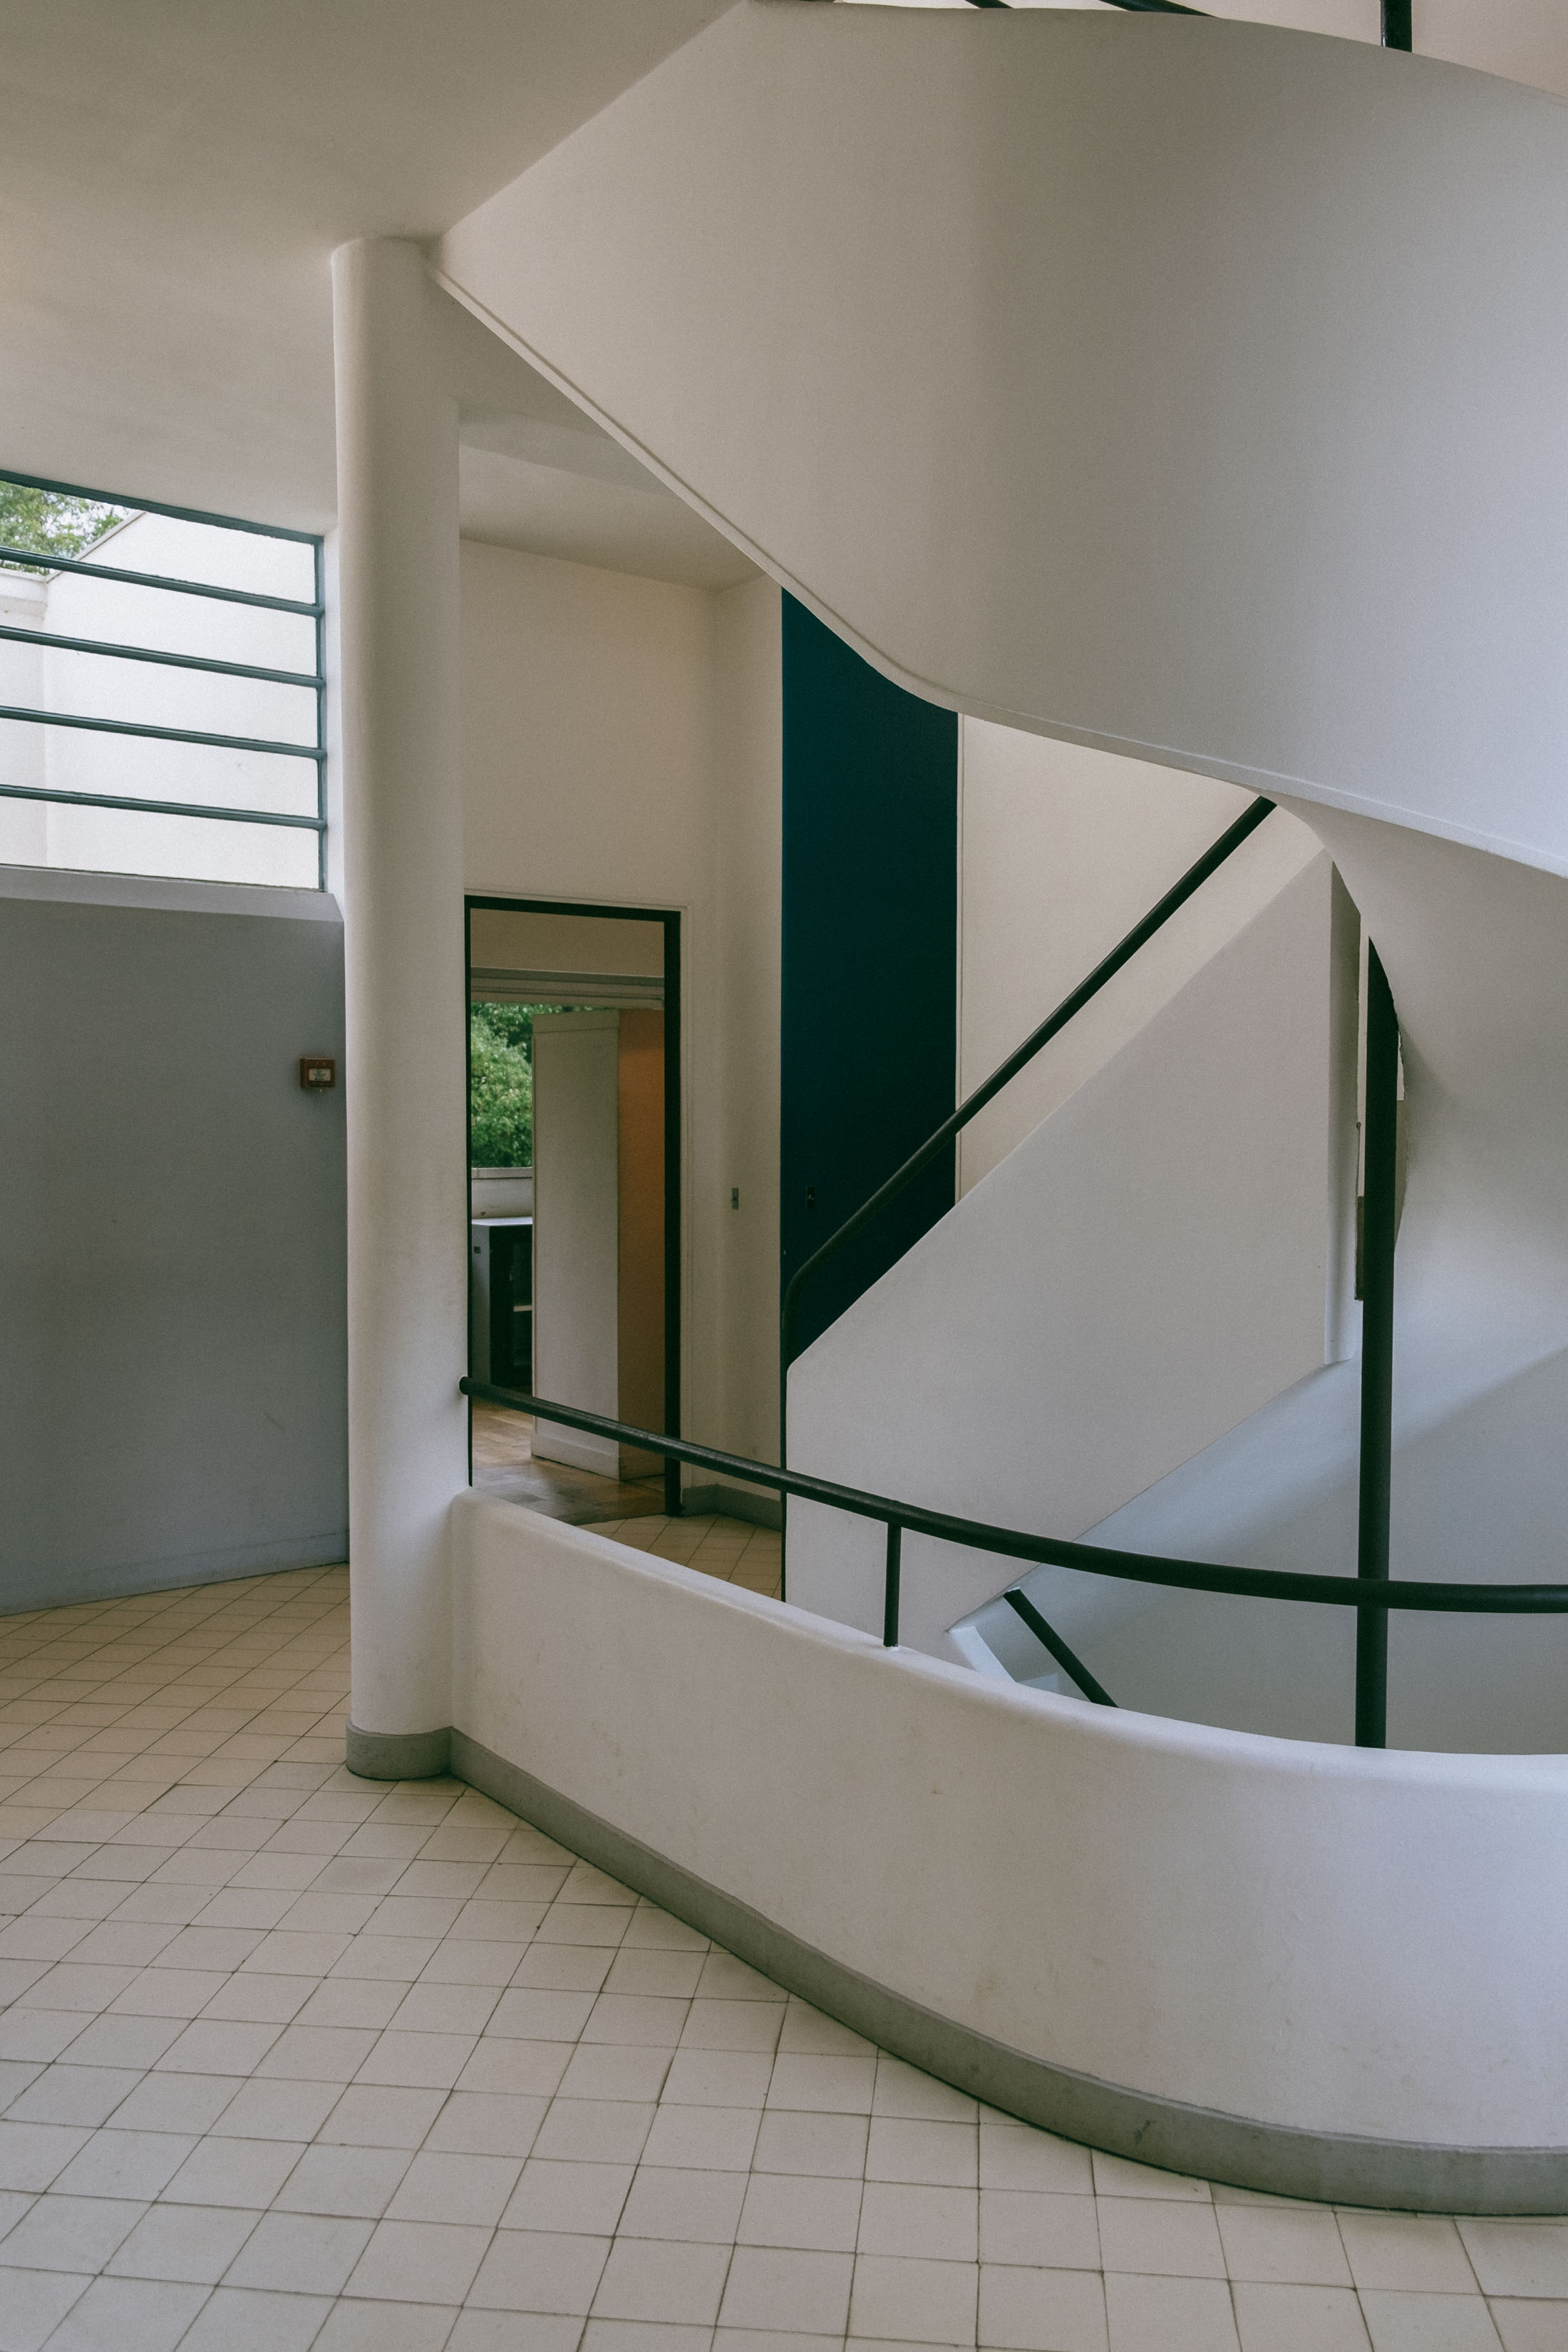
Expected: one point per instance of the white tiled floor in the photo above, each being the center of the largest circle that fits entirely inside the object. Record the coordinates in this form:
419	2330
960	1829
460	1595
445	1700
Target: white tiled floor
288	2058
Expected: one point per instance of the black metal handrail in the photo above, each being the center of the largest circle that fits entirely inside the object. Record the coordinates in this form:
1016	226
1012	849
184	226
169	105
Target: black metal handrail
1396	14
1370	1596
1212	859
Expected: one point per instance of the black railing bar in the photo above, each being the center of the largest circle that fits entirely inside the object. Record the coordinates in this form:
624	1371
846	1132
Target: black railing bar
1380	1185
29	559
1105	969
176	661
1050	1639
157	507
1134	7
891	1576
163	734
158	808
1009	1543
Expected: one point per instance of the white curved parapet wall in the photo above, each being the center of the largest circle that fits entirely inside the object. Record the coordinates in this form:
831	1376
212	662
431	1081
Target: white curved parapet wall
1265	1961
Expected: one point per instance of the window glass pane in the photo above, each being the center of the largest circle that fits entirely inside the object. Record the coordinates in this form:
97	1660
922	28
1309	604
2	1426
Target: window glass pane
132	767
41	603
97	686
194	849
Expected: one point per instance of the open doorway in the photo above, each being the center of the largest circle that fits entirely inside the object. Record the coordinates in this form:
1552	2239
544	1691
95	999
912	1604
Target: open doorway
575	1196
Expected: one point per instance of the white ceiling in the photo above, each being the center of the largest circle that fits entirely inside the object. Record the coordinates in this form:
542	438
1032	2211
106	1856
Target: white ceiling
174	176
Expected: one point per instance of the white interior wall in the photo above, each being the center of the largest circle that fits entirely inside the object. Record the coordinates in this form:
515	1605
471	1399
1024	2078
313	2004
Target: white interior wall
621	746
1064	849
577	1233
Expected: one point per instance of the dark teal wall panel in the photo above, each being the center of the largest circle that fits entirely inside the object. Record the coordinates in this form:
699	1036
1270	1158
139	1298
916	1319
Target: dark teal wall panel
871	958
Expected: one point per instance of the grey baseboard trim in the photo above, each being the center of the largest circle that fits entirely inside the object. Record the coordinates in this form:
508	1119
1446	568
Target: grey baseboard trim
1335	2167
735	1503
397	1755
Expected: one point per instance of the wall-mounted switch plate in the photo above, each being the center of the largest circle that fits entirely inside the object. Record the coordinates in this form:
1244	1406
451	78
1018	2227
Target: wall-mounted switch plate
318	1072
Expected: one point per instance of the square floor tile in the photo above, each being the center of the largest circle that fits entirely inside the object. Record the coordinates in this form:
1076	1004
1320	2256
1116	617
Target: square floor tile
32	2154
307	2254
1408	2321
697	2208
781	2289
720	2139
355	2327
904	2091
408	2261
1115	2176
1161	2235
816	2214
1169	2315
417	2061
70	2233
443	2185
1032	2310
36	2301
936	2154
914	2301
539	2271
129	2316
1288	2245
192	2242
1291	2318
507	2067
68	2093
1039	2228
1531	2326
584	2198
358	2183
931	2224
117	2163
824	2086
474	2124
1515	2258
594	2131
611	2071
1416	2251
241	2319
243	2172
277	2110
650	2279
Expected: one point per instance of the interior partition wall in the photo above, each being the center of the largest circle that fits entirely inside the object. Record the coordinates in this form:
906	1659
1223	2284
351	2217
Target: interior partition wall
589	988
870	960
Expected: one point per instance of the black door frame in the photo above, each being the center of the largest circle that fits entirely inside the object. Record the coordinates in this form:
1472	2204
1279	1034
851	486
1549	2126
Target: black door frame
670	920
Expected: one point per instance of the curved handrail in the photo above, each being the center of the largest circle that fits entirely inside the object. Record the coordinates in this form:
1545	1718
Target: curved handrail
1372	1597
1157	917
1013	1543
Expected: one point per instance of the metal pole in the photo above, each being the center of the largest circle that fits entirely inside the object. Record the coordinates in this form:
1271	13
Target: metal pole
1376	1350
1396	24
890	1588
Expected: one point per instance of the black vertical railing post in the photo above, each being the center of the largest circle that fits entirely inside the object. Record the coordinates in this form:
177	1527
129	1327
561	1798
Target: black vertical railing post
1396	24
890	1588
1376	1350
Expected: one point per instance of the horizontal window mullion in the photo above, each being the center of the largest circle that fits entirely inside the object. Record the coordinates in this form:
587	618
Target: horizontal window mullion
180	514
32	560
160	808
163	734
45	637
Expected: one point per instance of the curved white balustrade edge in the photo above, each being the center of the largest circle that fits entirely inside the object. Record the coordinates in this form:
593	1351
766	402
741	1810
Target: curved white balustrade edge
1318	1972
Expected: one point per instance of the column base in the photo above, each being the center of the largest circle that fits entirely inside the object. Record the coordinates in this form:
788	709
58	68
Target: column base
397	1755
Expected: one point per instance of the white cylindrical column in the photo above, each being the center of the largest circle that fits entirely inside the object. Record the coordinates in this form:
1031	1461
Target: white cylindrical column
403	1056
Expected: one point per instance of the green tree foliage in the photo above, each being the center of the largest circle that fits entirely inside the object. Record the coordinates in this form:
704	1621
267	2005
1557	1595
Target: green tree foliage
51	522
500	1089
